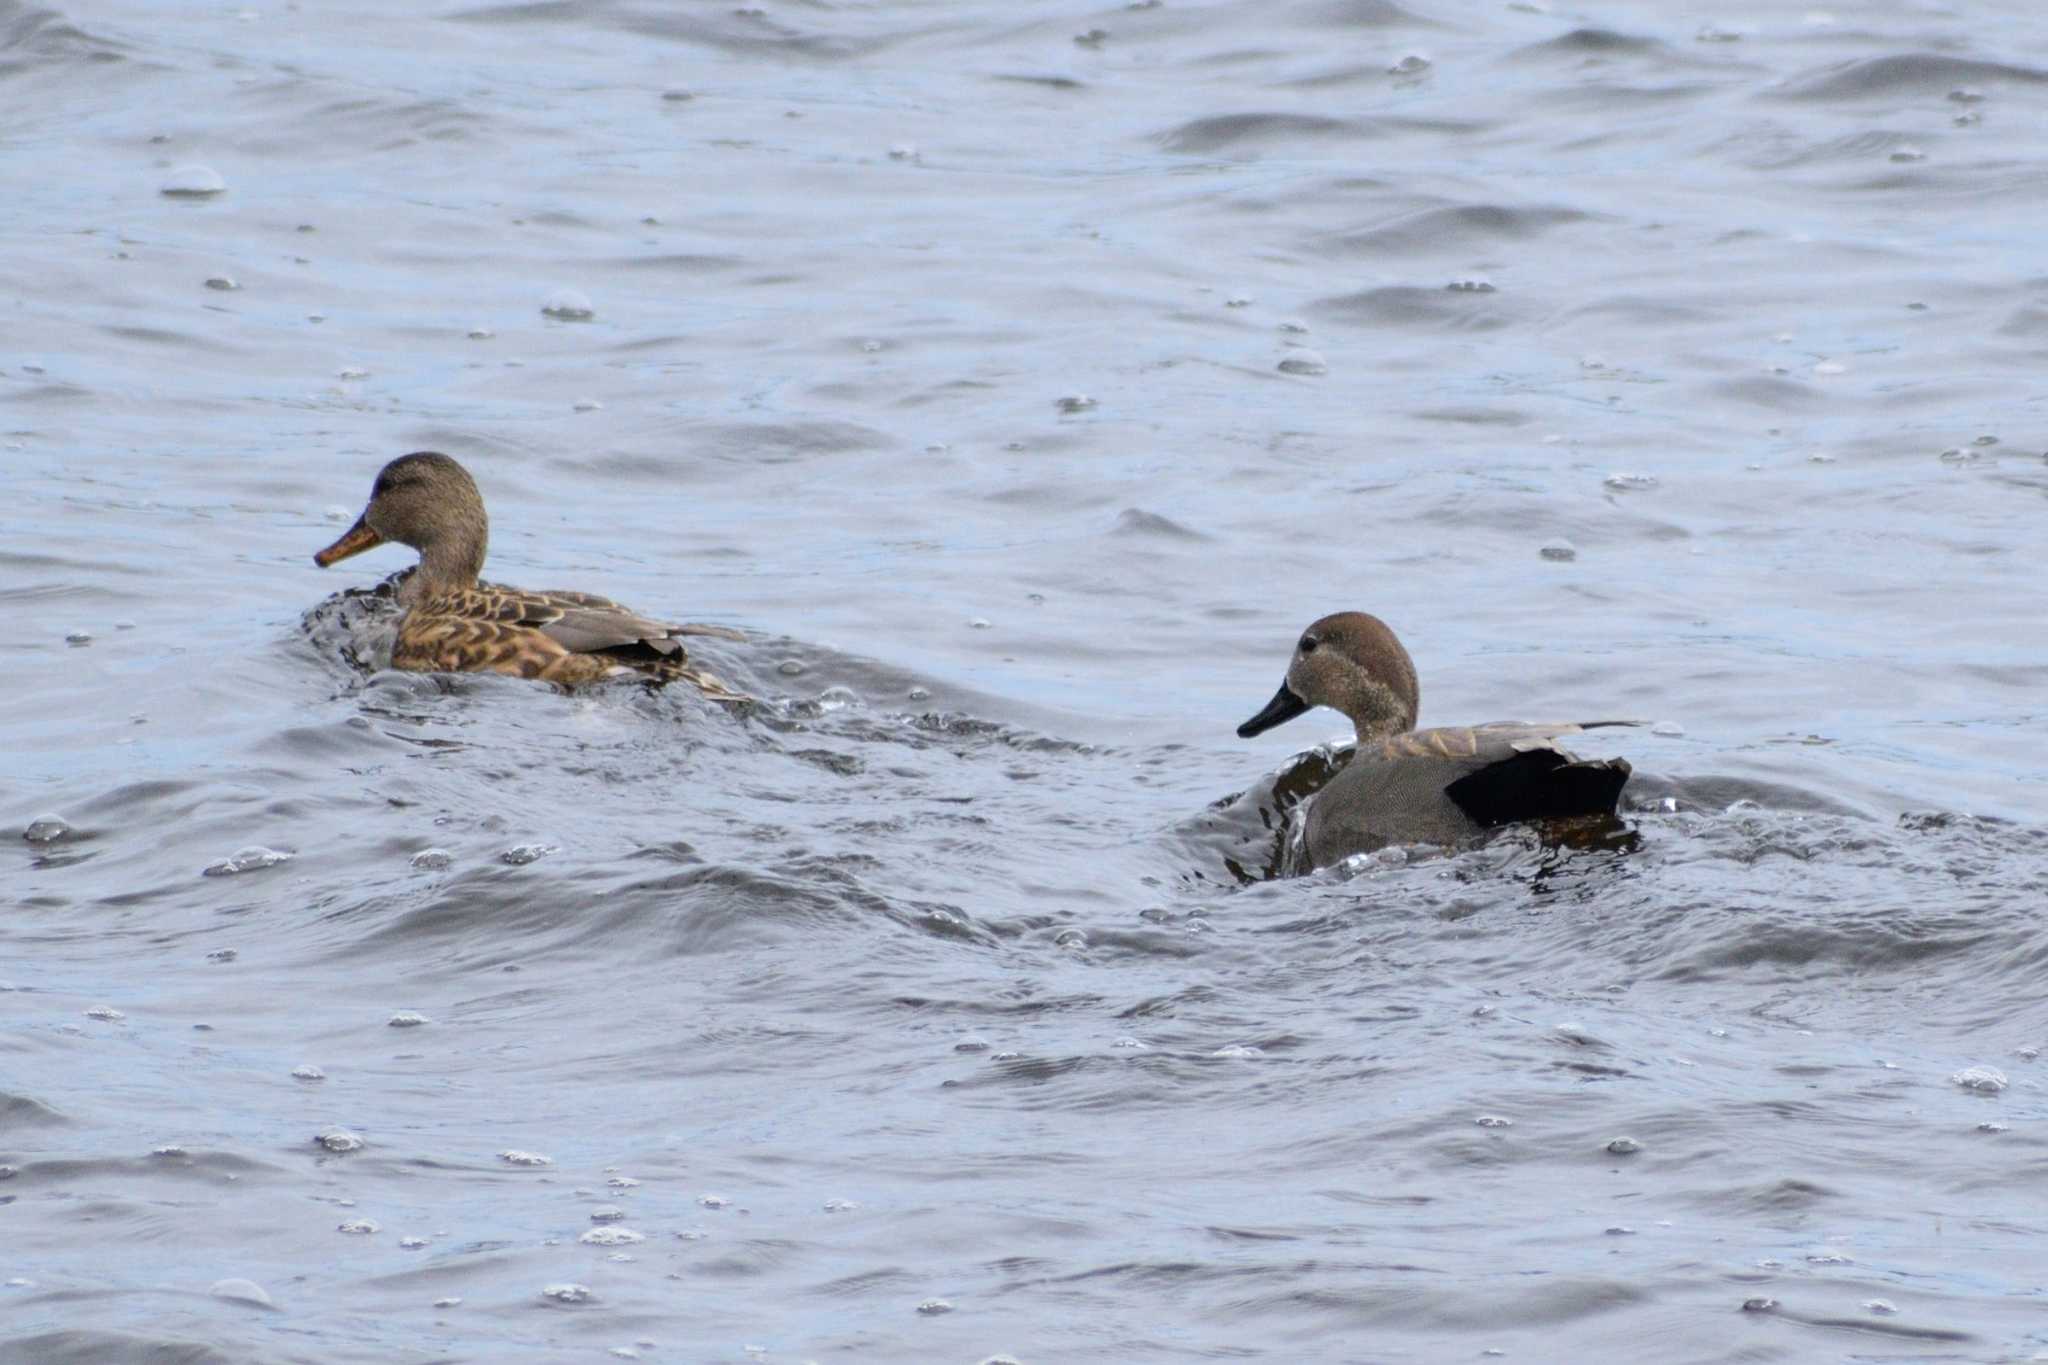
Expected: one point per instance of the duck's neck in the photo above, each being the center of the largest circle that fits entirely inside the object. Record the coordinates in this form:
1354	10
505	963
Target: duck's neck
1379	712
447	564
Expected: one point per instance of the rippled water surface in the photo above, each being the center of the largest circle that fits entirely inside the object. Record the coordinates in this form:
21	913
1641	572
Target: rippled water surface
1020	379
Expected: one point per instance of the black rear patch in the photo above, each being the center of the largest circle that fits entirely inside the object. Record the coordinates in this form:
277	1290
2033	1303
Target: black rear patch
1539	784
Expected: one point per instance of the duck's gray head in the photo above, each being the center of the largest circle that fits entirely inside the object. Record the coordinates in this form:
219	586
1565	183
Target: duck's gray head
428	501
1349	662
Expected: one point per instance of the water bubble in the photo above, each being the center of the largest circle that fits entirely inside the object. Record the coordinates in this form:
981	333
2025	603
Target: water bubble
622	1182
223	955
306	1071
408	1019
9	1172
1494	1121
412	1243
586	405
1070	938
241	1291
919	694
903	151
840	1206
251	859
1624	482
1880	1306
1094	37
512	1156
359	1227
1559	551
1990	1127
931	1308
1126	1041
339	1140
447	1303
610	1237
1711	34
1829	1256
192	182
973	1042
1304	362
1969	118
105	1014
45	829
1471	284
1413	64
224	283
431	860
713	1201
607	1213
1908	152
1238	301
519	855
1075	402
1237	1052
790	668
1985	1080
567	1293
1762	1303
168	1150
568	305
1623	1146
2026	1052
1294	328
978	623
481	334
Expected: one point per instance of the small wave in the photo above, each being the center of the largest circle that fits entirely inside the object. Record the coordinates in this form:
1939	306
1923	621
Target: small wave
1137	522
44	35
1593	42
1409	306
1242	133
1915	73
1453	228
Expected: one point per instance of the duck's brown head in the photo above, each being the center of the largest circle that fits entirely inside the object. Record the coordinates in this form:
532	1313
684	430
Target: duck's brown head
1352	663
428	501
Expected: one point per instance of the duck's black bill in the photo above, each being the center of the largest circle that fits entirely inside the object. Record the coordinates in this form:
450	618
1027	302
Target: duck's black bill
354	541
1284	707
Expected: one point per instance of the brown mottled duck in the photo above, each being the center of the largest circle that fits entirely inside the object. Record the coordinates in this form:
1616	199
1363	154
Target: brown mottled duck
453	623
1438	786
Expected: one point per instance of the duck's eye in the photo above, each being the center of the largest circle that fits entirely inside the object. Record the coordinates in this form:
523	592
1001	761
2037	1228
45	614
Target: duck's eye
1309	643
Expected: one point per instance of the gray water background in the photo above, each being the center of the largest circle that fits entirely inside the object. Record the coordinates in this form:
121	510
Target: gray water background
1021	379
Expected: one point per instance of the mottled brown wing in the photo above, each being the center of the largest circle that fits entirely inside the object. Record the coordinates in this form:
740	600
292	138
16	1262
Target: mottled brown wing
451	644
583	636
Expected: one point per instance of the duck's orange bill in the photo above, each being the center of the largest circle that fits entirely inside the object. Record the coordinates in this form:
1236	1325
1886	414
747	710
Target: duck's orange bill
354	541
